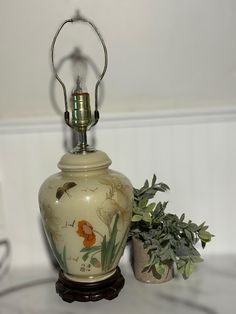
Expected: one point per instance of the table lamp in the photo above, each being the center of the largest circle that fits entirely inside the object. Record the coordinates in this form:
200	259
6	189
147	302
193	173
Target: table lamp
86	208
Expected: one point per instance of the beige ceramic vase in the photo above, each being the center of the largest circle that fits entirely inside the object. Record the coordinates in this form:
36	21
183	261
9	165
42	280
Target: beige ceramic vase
141	258
86	211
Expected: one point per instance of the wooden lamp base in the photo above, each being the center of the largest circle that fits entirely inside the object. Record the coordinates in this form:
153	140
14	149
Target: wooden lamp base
107	289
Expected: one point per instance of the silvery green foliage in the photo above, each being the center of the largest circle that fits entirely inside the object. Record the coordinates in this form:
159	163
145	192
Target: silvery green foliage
166	236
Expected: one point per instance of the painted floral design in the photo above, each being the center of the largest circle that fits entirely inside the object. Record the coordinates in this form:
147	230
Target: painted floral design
109	248
85	230
113	211
117	200
107	211
52	226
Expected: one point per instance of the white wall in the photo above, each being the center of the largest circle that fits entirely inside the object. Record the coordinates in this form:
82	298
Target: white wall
162	53
192	151
163	56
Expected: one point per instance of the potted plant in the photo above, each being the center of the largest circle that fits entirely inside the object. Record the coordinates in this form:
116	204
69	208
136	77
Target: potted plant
162	240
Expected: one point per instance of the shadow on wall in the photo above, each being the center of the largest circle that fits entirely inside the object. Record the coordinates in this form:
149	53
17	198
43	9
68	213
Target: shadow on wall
79	70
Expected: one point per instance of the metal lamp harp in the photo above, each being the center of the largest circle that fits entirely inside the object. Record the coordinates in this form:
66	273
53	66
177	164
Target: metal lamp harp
81	118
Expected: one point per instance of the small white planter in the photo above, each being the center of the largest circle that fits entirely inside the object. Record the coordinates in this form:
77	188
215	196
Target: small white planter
141	258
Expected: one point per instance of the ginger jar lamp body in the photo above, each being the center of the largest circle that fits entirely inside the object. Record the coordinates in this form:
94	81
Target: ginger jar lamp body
86	211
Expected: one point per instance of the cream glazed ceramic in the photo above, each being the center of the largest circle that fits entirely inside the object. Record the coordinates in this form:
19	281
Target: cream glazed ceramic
86	210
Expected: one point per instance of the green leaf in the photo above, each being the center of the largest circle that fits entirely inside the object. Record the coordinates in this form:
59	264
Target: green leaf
180	263
158	210
137	210
172	255
165	253
196	259
64	259
146	184
188	234
151	206
136	218
143	203
154	178
103	253
201	225
110	249
193	227
162	187
164	205
165	237
188	270
85	257
159	269
119	245
151	260
181	270
146	217
182	218
204	235
183	225
91	249
95	262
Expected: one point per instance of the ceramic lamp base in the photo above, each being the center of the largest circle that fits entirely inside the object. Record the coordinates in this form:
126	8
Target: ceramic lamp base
107	289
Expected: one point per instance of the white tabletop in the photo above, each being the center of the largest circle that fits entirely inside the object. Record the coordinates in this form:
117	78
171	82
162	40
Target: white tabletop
210	290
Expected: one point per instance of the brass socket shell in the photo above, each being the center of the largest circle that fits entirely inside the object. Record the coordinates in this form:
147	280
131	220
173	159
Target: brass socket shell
81	111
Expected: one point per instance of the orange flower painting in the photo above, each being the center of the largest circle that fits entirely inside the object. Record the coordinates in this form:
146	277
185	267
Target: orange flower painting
85	230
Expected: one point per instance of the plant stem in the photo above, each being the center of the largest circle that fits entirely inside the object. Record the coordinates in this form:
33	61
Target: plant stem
98	233
95	254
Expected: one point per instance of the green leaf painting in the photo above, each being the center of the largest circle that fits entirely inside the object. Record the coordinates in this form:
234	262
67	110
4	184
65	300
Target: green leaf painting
61	258
104	256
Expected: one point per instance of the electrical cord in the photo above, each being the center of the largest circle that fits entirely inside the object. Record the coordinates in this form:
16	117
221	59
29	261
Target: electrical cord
5	259
4	264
